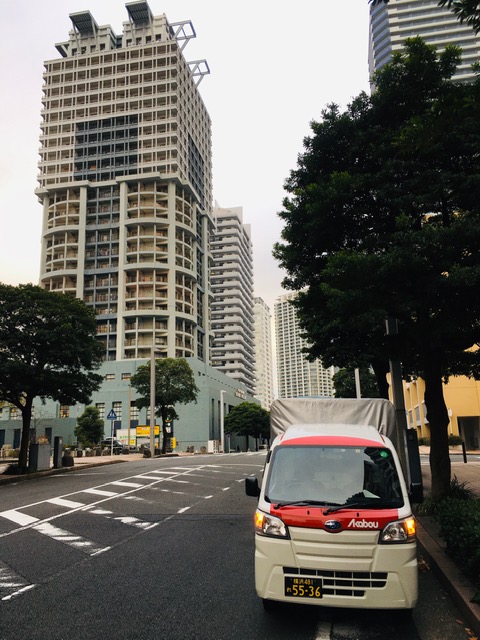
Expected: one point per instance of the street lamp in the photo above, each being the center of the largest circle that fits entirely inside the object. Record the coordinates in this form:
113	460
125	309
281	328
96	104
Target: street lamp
152	402
222	421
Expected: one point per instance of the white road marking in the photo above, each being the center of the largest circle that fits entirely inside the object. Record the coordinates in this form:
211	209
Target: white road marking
121	483
130	520
183	510
101	492
18	592
226	489
19	518
70	539
61	502
160	472
11	583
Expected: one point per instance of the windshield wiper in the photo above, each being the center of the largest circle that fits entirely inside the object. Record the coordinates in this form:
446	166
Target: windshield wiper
365	504
305	503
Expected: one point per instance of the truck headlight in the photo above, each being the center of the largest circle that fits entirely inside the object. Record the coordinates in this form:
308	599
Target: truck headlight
268	525
399	531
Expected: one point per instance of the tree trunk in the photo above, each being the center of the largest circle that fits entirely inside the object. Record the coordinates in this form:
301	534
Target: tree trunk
438	418
164	437
380	369
25	439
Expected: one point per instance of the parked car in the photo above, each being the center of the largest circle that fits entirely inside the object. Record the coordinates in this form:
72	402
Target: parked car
118	447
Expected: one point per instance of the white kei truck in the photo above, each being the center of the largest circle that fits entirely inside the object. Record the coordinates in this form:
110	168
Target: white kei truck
334	525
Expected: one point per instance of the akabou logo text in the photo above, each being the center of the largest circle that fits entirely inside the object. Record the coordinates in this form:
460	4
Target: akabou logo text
363	524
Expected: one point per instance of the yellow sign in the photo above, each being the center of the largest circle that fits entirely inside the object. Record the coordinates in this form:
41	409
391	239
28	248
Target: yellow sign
173	442
144	430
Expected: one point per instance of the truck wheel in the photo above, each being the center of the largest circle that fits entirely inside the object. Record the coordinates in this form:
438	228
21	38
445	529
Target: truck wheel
269	605
402	616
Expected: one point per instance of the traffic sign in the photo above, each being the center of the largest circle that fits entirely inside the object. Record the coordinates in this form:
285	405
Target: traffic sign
112	415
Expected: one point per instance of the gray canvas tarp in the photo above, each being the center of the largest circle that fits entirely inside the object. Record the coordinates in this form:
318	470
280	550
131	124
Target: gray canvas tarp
377	412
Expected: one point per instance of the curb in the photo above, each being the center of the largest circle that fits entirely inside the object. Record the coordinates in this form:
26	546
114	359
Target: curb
458	586
7	479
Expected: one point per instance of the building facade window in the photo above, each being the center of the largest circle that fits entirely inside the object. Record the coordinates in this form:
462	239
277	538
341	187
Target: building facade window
64	411
117	407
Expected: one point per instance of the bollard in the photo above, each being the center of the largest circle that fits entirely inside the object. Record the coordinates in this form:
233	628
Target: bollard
68	460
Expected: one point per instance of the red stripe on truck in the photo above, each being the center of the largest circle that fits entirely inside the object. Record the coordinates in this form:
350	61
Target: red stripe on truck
339	441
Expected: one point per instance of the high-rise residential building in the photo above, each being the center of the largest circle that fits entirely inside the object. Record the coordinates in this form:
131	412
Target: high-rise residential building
126	188
263	353
297	377
232	305
392	23
126	183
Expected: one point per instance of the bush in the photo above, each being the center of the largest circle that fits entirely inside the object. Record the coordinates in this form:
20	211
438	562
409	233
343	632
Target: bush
454	441
424	442
459	521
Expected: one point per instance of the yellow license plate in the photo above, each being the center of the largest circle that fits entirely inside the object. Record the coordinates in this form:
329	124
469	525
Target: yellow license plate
303	587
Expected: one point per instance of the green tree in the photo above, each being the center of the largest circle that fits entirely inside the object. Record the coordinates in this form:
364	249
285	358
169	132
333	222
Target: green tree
248	419
382	220
48	349
345	387
89	428
174	384
466	10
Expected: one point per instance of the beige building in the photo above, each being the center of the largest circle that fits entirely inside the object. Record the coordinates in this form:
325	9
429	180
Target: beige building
462	397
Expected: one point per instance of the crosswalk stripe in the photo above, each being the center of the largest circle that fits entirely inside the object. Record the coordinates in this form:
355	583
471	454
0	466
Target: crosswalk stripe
61	502
11	583
130	520
19	518
100	492
68	538
121	483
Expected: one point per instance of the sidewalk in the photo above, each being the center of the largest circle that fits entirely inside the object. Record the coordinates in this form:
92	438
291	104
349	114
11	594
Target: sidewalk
79	463
432	547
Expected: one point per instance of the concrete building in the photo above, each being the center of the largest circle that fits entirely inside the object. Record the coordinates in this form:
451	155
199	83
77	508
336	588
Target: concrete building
126	188
263	353
232	305
297	377
392	23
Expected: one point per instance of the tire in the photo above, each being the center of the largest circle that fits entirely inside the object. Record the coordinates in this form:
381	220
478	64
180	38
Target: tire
269	605
402	616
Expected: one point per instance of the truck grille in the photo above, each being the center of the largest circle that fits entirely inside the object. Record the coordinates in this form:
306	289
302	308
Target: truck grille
343	583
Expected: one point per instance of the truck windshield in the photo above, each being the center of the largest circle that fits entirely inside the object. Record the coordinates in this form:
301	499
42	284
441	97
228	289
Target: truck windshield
333	475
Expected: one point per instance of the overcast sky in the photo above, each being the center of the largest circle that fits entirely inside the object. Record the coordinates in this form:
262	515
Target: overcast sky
274	66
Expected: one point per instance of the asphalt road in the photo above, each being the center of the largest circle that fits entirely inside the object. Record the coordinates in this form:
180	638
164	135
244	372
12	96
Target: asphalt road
162	549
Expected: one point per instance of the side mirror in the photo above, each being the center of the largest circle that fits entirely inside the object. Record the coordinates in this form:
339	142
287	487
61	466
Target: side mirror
416	493
251	487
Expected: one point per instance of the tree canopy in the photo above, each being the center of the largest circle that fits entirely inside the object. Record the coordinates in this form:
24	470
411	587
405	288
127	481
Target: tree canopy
174	384
89	428
248	419
383	220
466	10
345	387
48	349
